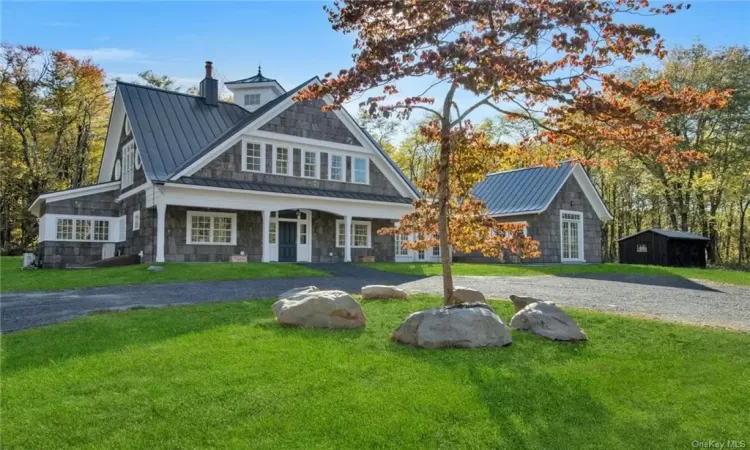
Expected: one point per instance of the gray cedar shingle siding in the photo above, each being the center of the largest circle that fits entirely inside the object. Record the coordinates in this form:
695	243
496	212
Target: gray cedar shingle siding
101	204
545	228
306	119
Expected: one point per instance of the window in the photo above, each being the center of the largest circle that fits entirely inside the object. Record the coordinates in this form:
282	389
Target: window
128	128
571	236
311	165
101	230
211	228
360	170
128	162
361	233
64	229
136	220
83	230
282	162
436	249
252	99
272	232
254	157
303	233
118	170
336	168
400	250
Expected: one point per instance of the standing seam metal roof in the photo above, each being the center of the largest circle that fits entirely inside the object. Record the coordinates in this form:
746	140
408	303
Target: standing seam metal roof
672	234
523	190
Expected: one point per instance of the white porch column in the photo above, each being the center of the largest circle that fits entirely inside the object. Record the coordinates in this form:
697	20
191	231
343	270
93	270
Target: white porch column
348	239
161	213
266	234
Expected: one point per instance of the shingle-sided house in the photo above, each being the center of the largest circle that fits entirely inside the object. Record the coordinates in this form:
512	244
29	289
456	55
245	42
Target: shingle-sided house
563	210
192	178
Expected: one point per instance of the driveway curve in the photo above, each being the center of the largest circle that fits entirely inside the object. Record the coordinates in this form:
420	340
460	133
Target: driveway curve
672	299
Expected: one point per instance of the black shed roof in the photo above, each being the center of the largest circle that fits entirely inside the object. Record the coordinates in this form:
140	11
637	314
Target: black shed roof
671	234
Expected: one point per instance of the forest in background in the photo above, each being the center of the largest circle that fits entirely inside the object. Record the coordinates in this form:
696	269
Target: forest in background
54	111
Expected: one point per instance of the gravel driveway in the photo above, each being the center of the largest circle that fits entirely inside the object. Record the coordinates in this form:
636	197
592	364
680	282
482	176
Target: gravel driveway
672	299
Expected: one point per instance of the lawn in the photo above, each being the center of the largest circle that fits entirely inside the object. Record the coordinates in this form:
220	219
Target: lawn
226	376
508	270
13	279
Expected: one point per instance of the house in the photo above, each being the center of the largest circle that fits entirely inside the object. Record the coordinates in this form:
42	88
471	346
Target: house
193	178
664	248
560	204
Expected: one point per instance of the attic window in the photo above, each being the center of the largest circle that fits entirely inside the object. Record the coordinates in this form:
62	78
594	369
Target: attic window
128	162
252	99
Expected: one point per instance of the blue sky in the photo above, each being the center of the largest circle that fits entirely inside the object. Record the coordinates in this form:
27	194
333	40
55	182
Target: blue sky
292	40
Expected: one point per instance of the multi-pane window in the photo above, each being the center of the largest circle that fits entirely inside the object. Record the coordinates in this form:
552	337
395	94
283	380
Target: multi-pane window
252	99
272	232
101	230
337	168
136	220
303	233
64	229
253	157
83	230
400	249
311	162
211	228
128	162
360	170
570	227
360	234
282	160
436	249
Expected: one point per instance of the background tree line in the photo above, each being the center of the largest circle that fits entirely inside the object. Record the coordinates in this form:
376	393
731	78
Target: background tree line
709	196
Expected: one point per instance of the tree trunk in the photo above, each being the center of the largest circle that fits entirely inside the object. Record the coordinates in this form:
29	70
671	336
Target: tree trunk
741	245
444	196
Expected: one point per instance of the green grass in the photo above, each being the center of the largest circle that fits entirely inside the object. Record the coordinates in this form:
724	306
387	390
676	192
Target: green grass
226	376
13	279
508	270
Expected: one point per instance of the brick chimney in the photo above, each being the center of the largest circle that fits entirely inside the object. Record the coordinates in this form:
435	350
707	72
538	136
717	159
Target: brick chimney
209	87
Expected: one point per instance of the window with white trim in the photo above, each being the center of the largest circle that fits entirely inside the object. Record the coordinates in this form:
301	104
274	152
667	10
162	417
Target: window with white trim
359	169
136	220
436	249
101	230
64	229
303	233
252	99
400	240
211	228
128	163
88	229
254	157
571	234
128	128
282	161
310	160
272	232
336	168
361	233
83	230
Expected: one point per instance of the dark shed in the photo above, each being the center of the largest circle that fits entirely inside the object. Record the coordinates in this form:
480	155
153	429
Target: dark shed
664	248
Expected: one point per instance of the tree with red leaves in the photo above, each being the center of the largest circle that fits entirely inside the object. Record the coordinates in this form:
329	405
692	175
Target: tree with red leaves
540	61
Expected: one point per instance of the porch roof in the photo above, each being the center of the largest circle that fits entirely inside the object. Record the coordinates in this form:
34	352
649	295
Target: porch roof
293	190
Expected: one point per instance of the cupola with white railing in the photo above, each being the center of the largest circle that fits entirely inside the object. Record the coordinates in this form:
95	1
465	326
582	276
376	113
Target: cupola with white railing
254	92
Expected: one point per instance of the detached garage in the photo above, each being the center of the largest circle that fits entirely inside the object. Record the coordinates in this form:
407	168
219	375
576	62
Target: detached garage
664	248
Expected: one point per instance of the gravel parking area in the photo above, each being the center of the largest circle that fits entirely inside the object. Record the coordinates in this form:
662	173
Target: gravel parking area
671	299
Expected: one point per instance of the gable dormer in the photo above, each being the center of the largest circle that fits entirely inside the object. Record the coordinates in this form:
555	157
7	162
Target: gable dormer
254	92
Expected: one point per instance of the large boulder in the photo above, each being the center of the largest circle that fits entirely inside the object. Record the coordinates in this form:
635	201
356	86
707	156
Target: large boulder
520	303
298	292
375	291
320	309
547	320
467	295
463	326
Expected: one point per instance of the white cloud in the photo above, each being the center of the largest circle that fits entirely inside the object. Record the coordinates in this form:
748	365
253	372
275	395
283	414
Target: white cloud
106	54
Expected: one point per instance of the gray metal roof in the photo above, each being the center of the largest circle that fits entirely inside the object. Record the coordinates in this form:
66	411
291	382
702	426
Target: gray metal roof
254	79
283	189
174	129
523	190
672	234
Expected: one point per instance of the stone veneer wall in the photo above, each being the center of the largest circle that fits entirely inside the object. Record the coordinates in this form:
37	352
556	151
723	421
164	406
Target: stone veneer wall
545	228
228	166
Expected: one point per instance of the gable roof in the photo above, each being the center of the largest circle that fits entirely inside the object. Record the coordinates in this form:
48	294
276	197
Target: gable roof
672	234
173	129
531	190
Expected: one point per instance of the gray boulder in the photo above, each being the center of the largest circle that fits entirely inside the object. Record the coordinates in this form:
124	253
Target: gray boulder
320	309
376	291
462	326
520	303
155	268
468	295
298	292
547	320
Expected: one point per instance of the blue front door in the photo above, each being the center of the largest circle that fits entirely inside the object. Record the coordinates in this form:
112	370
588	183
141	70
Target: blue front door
287	241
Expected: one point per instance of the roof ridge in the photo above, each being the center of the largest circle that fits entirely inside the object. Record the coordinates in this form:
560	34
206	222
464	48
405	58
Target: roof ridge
540	166
167	91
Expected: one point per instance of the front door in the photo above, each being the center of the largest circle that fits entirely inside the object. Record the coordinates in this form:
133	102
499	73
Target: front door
287	241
